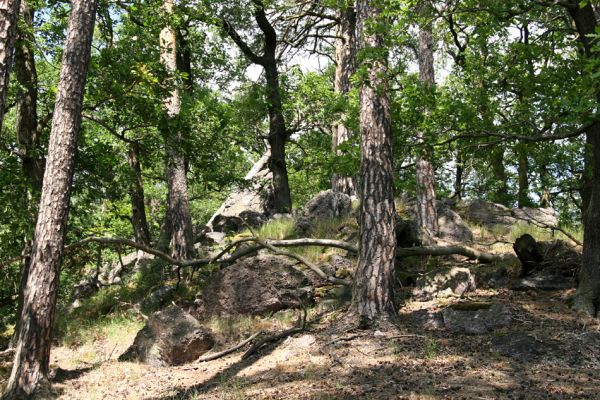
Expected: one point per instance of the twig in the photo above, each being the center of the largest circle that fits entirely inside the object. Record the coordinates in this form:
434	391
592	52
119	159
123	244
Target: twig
230	350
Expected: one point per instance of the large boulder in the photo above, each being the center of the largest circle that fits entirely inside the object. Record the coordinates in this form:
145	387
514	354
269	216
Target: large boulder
476	318
255	286
451	226
325	205
437	284
542	217
170	337
489	214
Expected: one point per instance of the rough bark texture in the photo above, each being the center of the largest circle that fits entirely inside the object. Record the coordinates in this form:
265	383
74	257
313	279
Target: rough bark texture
500	179
136	192
426	207
9	13
182	238
373	291
30	369
587	298
458	177
27	117
523	169
345	56
278	133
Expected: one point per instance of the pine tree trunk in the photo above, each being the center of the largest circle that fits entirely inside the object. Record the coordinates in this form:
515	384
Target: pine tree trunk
523	169
426	207
182	239
30	369
9	13
136	192
587	298
373	292
345	56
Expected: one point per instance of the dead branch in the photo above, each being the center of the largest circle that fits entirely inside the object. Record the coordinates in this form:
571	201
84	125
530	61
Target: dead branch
300	326
230	350
468	252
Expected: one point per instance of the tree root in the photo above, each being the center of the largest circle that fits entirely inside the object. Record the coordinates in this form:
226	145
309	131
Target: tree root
230	350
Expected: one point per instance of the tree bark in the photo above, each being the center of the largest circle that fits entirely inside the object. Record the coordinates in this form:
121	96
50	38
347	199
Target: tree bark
373	292
500	182
136	192
32	355
587	298
278	133
182	238
9	14
523	169
27	117
458	177
345	56
425	175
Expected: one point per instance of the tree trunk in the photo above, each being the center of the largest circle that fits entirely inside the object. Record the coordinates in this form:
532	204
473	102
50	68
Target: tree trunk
458	177
500	182
278	134
182	238
30	368
373	292
587	298
27	118
345	56
523	169
9	14
426	207
136	192
282	200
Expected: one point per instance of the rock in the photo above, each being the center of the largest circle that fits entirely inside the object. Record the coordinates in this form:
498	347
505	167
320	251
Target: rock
170	337
437	284
451	225
325	205
542	217
519	345
476	318
158	297
255	286
489	214
249	204
213	238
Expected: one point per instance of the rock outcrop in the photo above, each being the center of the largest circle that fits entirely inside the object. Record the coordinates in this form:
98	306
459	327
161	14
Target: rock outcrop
325	205
254	286
170	337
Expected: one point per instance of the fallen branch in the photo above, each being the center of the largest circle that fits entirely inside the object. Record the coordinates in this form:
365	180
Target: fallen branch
468	252
300	326
230	350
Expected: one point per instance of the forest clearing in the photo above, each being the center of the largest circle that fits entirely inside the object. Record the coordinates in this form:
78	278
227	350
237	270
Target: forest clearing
299	199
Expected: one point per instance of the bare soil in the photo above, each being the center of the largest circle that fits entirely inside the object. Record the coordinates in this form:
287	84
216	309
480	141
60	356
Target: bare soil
405	363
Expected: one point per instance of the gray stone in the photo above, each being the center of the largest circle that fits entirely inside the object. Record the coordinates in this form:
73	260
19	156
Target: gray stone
158	297
451	226
446	283
476	319
429	320
170	337
212	238
543	217
325	205
339	262
545	280
255	286
489	214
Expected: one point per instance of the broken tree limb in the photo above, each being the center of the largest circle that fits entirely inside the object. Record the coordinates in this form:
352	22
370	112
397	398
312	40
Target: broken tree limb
300	326
468	252
230	350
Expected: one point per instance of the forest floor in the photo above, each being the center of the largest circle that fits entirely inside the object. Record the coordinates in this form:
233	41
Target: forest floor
320	363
